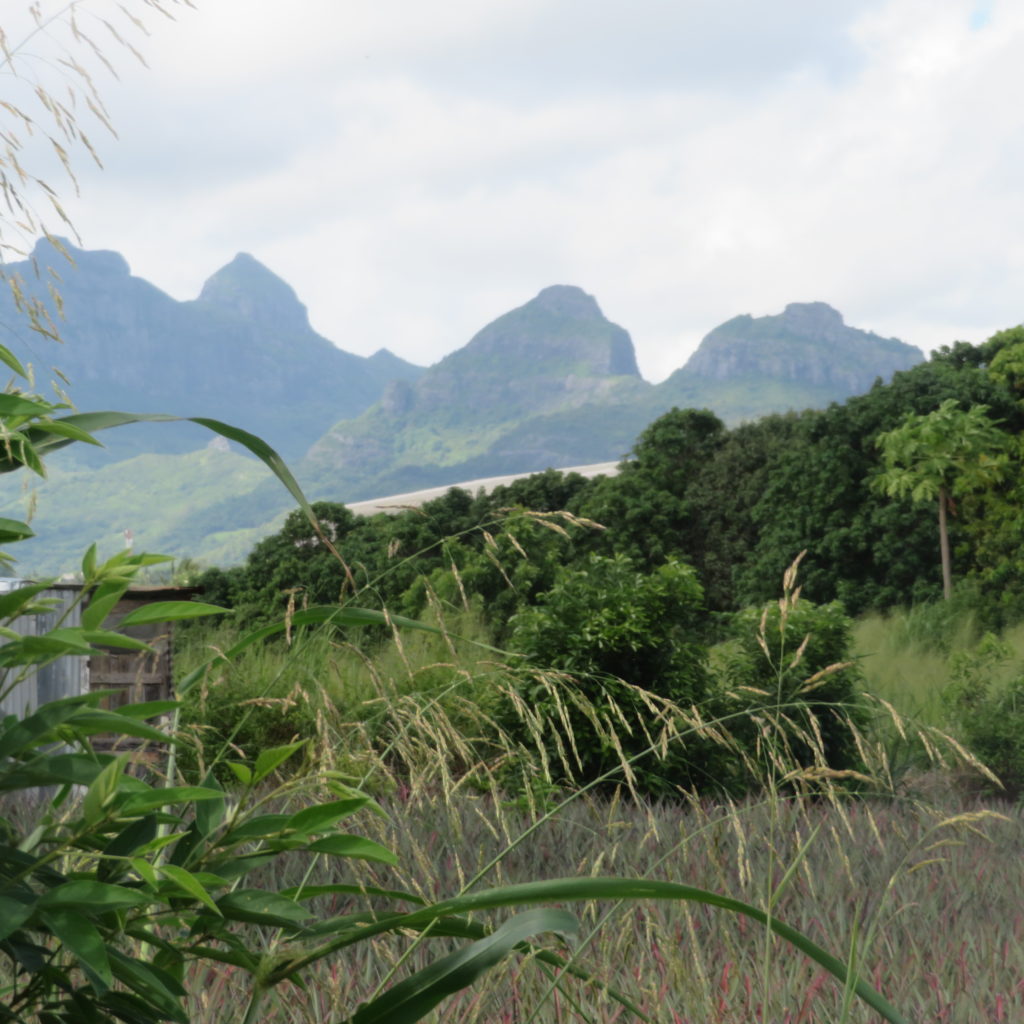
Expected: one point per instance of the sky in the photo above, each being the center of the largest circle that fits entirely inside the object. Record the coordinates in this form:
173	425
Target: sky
416	168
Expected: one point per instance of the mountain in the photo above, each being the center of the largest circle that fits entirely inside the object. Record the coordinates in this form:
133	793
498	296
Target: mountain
243	352
556	353
551	383
804	357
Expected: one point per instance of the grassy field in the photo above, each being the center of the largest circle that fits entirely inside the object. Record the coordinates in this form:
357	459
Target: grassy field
918	889
923	898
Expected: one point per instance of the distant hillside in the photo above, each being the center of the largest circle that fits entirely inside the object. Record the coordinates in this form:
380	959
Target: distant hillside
804	357
552	383
558	352
243	352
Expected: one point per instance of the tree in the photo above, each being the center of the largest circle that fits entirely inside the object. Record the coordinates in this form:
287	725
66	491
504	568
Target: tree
940	456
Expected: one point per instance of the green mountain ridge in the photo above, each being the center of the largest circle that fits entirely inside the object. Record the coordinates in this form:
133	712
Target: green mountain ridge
243	351
551	383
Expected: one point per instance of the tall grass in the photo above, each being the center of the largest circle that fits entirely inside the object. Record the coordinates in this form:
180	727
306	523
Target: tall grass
912	897
908	654
923	903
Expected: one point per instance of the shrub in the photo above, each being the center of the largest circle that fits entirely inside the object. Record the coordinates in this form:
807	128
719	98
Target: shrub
614	657
988	713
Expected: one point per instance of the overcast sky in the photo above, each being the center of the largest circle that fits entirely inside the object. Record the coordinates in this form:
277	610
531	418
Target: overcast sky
414	168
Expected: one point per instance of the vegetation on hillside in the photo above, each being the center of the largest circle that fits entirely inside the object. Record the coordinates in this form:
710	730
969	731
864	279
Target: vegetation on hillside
575	695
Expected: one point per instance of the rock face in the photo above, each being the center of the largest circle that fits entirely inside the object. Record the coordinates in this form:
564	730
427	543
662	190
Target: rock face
806	344
246	289
242	352
555	353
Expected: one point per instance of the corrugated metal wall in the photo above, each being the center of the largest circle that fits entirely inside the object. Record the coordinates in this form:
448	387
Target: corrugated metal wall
65	677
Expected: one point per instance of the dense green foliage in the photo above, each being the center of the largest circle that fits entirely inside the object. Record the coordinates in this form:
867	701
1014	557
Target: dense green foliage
613	629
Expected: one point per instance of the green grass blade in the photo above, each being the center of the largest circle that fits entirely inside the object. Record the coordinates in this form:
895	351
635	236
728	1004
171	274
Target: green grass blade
412	999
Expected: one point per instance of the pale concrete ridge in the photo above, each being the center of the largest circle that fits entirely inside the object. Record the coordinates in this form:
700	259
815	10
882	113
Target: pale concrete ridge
399	502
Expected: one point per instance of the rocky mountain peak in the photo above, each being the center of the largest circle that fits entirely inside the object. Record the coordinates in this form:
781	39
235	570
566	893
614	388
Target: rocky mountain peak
813	319
566	300
808	344
250	290
96	262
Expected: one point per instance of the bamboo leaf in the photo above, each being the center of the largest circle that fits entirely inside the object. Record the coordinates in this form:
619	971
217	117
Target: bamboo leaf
254	906
140	803
168	611
412	999
273	758
321	816
11	531
81	937
355	847
189	884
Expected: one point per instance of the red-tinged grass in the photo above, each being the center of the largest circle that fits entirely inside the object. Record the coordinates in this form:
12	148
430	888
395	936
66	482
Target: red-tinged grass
930	909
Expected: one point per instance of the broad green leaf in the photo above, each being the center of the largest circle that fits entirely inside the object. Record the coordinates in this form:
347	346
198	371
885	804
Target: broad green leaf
108	638
308	892
32	650
168	611
236	957
18	405
412	999
89	568
146	871
104	598
93	721
102	789
133	837
273	758
140	803
26	733
322	816
254	906
90	897
13	914
257	828
53	770
158	988
8	358
210	813
232	868
11	530
189	884
61	428
241	771
13	603
355	847
147	709
80	936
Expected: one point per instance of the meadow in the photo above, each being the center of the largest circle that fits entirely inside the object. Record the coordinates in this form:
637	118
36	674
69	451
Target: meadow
912	878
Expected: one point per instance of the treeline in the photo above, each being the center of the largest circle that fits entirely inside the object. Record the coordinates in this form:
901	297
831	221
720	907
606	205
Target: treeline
652	596
737	505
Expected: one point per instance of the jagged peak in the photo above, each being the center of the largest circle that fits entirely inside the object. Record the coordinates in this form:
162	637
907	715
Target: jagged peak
247	287
811	317
58	253
568	300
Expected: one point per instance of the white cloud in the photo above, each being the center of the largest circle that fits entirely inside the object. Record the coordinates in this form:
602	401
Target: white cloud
416	169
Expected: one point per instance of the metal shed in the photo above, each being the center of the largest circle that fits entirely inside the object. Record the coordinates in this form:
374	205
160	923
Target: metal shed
133	676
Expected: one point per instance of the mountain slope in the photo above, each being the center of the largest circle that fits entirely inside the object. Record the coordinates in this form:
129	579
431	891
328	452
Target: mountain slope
555	353
242	352
804	357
